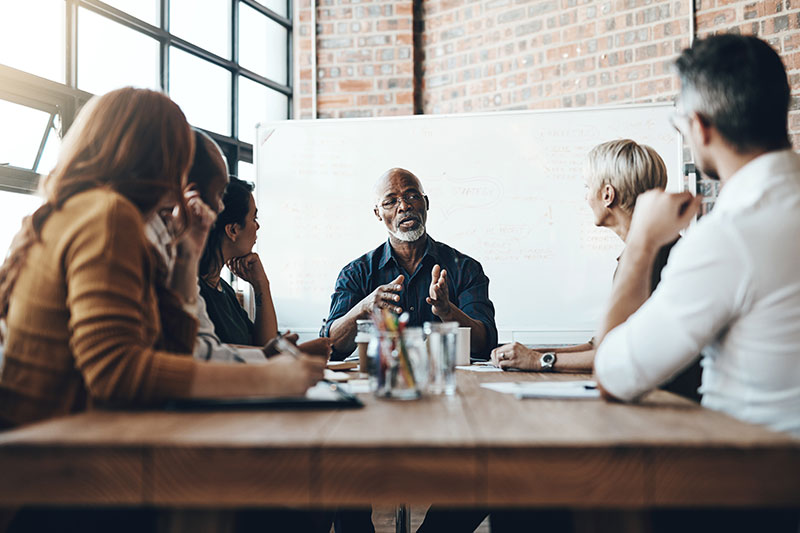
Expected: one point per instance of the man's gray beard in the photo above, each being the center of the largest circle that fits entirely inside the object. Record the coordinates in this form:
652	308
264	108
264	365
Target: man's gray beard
411	235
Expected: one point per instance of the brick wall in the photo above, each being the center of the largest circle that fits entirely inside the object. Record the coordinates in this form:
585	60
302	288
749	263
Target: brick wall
303	40
507	54
484	55
365	64
776	21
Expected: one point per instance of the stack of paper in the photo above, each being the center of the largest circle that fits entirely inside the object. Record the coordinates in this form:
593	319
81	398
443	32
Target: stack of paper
582	389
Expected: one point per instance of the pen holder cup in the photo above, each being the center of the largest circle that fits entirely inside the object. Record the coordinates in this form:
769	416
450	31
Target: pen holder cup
398	364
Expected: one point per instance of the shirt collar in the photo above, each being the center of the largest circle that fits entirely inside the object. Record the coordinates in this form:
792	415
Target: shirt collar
751	182
387	253
161	236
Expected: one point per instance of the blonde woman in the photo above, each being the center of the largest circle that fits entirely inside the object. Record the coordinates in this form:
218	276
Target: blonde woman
617	172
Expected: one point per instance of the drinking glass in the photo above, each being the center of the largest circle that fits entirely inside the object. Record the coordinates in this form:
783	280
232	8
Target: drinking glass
442	341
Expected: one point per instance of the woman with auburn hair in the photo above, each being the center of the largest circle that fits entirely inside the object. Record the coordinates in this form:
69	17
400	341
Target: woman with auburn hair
77	289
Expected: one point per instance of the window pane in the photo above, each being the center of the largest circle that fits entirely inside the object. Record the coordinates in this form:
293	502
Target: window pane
262	45
258	103
146	10
278	6
206	23
202	89
13	208
32	37
50	152
21	132
247	171
111	55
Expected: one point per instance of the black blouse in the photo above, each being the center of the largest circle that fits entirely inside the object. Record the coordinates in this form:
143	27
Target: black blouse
231	323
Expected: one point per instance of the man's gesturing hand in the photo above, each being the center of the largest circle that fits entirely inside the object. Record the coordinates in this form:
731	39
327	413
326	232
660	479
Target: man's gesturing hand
386	296
439	298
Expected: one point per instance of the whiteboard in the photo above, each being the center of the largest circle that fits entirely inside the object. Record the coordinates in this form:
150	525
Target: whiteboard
505	188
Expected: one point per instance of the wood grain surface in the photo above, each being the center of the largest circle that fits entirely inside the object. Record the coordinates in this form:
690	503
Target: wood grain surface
478	447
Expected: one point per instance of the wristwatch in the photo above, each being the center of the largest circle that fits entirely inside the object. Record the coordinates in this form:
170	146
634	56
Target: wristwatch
546	361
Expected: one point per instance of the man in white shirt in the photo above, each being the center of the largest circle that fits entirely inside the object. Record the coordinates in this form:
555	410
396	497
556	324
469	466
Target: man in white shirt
732	284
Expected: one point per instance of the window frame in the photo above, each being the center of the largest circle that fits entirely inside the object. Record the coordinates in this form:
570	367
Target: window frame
65	100
43	94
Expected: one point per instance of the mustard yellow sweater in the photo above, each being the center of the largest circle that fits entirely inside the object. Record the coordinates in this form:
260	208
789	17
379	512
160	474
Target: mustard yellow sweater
84	318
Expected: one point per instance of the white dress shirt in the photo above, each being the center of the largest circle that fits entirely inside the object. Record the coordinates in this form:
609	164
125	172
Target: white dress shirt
732	285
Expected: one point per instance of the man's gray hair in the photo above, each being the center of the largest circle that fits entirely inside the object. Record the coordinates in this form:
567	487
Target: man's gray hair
737	84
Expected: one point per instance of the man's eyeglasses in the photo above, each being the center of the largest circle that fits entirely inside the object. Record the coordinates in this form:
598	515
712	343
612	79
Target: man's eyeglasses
680	121
409	198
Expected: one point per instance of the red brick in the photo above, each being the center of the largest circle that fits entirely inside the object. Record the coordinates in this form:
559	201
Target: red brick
791	61
394	24
715	18
795	140
334	100
406	97
653	88
615	95
356	85
791	42
404	8
776	24
794	122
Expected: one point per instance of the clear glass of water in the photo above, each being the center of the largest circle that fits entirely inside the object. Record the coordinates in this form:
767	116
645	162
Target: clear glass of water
442	338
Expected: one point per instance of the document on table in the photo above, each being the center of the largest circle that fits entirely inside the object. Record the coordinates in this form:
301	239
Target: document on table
480	366
581	389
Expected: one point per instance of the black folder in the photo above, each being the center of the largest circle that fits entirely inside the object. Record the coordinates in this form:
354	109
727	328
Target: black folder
322	396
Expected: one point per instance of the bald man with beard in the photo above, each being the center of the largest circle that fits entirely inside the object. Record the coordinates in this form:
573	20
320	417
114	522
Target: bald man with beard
410	273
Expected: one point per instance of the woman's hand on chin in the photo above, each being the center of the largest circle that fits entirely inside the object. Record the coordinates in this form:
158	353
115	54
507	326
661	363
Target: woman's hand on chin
249	268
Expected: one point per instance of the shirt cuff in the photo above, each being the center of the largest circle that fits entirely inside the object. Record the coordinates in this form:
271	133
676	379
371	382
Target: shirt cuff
173	376
251	355
615	368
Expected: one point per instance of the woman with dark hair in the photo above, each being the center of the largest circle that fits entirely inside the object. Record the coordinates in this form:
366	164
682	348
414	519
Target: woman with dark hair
230	242
78	291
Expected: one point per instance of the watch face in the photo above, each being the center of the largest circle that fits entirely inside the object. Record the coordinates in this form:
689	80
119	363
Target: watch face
548	358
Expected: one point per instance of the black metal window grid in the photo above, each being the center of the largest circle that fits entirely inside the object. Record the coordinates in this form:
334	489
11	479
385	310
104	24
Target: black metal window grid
63	100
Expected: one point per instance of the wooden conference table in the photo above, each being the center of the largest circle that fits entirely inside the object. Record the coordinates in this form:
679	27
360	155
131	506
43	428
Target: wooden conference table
476	448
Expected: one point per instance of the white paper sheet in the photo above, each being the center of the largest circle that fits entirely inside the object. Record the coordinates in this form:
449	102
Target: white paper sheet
480	368
581	389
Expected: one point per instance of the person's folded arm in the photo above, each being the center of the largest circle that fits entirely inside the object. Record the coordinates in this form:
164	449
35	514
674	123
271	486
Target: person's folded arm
701	291
107	281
